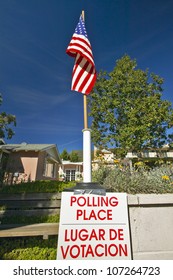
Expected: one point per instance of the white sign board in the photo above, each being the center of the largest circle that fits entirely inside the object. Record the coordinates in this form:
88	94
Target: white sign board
93	227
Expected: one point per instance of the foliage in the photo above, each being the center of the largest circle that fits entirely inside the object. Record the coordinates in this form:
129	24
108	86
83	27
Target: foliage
127	109
37	186
74	157
101	174
65	155
5	121
141	180
30	248
80	154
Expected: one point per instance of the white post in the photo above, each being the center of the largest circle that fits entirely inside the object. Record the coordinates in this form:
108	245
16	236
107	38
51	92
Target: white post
86	155
86	141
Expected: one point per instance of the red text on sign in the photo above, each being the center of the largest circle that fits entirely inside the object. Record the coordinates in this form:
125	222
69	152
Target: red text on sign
93	201
94	234
94	215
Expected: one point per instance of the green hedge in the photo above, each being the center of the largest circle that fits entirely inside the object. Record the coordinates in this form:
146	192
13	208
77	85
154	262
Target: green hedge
37	186
30	248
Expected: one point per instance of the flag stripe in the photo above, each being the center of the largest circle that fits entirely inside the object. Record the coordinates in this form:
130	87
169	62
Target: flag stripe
81	39
76	69
81	75
83	51
84	85
77	74
80	45
89	82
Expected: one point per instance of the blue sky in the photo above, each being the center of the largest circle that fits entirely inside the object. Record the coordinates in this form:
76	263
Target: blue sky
35	72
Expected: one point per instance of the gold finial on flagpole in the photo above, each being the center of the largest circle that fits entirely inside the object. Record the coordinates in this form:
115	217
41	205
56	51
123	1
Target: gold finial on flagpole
83	15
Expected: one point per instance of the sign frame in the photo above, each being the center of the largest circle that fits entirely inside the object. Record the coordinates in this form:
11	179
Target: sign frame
94	227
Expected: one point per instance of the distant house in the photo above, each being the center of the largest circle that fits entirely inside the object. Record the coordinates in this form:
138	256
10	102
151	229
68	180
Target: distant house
29	162
164	154
70	171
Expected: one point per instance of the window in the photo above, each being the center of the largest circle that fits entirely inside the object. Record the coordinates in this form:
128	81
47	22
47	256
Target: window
70	175
50	169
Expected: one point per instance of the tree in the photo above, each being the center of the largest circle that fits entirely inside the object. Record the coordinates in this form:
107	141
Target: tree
80	154
5	121
74	156
127	109
65	155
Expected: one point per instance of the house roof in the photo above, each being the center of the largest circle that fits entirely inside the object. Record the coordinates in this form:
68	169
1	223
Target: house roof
30	147
26	147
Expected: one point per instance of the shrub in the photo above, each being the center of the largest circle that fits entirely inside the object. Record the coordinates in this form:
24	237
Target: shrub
38	186
156	180
32	248
101	174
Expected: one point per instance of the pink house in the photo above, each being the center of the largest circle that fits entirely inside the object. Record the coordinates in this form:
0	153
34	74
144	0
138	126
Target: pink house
29	162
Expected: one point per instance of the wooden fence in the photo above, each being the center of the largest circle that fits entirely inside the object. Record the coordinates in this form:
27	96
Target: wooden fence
27	205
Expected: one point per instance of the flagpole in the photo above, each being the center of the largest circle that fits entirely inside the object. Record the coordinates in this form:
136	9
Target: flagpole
86	140
84	96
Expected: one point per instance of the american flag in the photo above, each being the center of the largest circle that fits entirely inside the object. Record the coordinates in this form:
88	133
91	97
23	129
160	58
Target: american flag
84	72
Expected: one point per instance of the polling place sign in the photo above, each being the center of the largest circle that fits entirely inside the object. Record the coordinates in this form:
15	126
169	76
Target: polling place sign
94	227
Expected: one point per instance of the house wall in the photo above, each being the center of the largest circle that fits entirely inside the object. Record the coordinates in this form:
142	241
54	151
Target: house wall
30	165
42	166
151	226
21	166
73	166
